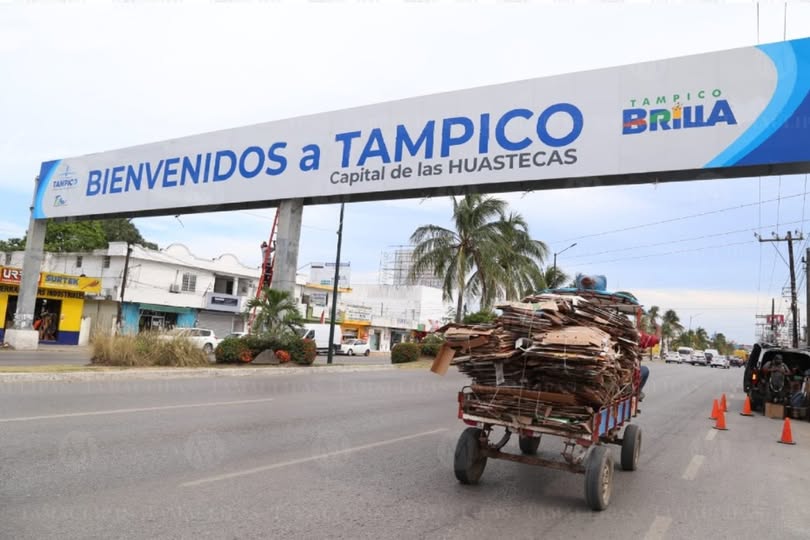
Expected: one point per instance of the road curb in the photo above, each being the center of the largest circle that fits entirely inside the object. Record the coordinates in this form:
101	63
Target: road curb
178	373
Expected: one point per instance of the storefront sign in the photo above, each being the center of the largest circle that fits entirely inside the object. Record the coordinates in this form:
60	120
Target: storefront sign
48	280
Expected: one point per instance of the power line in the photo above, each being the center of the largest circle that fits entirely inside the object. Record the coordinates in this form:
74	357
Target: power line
681	218
718	246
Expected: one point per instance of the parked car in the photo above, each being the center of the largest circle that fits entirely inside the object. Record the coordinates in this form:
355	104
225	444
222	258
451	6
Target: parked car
686	354
203	338
698	359
352	347
720	361
236	335
673	358
759	385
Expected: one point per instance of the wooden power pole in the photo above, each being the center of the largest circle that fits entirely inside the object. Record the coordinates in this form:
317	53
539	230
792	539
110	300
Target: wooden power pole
789	238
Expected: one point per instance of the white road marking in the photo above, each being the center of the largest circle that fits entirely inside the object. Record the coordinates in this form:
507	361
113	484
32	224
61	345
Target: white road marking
140	409
281	464
659	528
692	468
711	434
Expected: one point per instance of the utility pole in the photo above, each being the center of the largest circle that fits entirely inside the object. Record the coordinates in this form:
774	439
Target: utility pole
123	285
789	238
335	289
554	272
807	297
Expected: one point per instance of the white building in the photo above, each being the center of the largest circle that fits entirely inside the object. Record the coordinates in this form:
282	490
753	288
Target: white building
173	287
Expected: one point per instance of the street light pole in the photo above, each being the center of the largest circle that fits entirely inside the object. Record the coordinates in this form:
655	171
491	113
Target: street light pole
335	289
554	272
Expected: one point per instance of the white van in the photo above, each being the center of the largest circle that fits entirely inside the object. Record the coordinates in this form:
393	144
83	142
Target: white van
686	354
319	333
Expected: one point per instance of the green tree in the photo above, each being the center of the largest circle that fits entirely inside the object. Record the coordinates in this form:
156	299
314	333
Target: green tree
670	326
551	278
455	254
87	235
686	339
480	317
276	314
517	263
12	244
701	338
719	342
486	253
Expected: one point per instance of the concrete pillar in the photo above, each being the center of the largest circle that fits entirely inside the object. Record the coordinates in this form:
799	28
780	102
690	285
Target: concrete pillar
288	237
23	336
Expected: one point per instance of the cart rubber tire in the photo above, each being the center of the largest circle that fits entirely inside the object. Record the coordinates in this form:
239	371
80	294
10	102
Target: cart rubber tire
631	447
468	462
599	478
529	445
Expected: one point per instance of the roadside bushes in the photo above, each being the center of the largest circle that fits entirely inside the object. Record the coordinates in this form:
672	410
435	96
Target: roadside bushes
431	344
405	352
247	348
144	350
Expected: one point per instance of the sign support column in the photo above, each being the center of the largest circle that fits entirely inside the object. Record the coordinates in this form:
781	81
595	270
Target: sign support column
287	241
23	336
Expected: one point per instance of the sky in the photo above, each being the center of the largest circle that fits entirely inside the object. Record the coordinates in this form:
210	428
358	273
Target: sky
85	77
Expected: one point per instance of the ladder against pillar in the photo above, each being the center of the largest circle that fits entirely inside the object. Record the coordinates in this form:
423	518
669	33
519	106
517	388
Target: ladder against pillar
22	340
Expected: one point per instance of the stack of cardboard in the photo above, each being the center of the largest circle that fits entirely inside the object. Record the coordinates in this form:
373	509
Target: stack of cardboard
550	360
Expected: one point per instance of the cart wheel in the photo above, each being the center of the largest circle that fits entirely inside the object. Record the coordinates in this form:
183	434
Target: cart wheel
529	445
631	447
469	463
598	478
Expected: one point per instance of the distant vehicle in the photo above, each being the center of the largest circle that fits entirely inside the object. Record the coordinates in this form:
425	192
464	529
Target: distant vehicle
236	335
686	354
699	359
319	333
736	361
710	354
352	347
673	357
761	387
203	338
720	361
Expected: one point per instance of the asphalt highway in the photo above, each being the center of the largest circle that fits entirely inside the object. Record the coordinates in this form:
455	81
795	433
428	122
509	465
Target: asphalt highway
369	455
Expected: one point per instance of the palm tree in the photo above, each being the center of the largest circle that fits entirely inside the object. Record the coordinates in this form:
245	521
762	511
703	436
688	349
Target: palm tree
701	338
550	278
517	264
277	315
486	253
670	326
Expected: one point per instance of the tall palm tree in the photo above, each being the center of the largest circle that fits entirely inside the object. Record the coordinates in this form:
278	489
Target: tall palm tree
550	278
701	338
517	263
277	315
671	327
472	246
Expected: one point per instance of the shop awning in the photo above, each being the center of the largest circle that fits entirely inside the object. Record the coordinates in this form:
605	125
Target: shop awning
164	309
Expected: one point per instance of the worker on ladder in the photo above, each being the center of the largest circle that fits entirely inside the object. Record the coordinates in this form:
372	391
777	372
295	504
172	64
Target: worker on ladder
266	252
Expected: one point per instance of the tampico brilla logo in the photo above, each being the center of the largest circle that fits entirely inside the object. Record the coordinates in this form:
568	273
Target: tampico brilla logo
668	112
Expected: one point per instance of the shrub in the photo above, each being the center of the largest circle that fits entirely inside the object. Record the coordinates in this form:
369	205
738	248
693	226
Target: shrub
146	350
404	352
302	351
283	356
480	317
233	350
431	344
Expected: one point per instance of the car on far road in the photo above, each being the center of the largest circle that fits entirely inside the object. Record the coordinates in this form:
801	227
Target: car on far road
236	335
698	359
202	338
720	361
736	361
352	347
672	358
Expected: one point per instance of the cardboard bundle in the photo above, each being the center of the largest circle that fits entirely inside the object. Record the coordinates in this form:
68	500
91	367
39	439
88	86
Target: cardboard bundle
550	360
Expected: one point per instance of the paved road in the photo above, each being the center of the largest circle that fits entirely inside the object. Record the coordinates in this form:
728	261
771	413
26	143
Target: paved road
369	455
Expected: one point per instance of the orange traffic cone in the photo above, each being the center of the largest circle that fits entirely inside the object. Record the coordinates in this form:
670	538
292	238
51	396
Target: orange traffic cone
721	421
787	435
723	404
715	410
747	407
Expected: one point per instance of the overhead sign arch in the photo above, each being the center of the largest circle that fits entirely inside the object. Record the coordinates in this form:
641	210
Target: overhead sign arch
739	112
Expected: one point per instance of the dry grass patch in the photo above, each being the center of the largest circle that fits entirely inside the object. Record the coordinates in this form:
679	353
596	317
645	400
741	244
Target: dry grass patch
146	350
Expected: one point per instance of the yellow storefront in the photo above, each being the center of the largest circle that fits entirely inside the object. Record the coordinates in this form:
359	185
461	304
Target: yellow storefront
59	304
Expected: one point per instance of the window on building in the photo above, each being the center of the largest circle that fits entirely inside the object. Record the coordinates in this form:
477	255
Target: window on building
223	285
8	259
79	261
245	286
106	261
189	283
